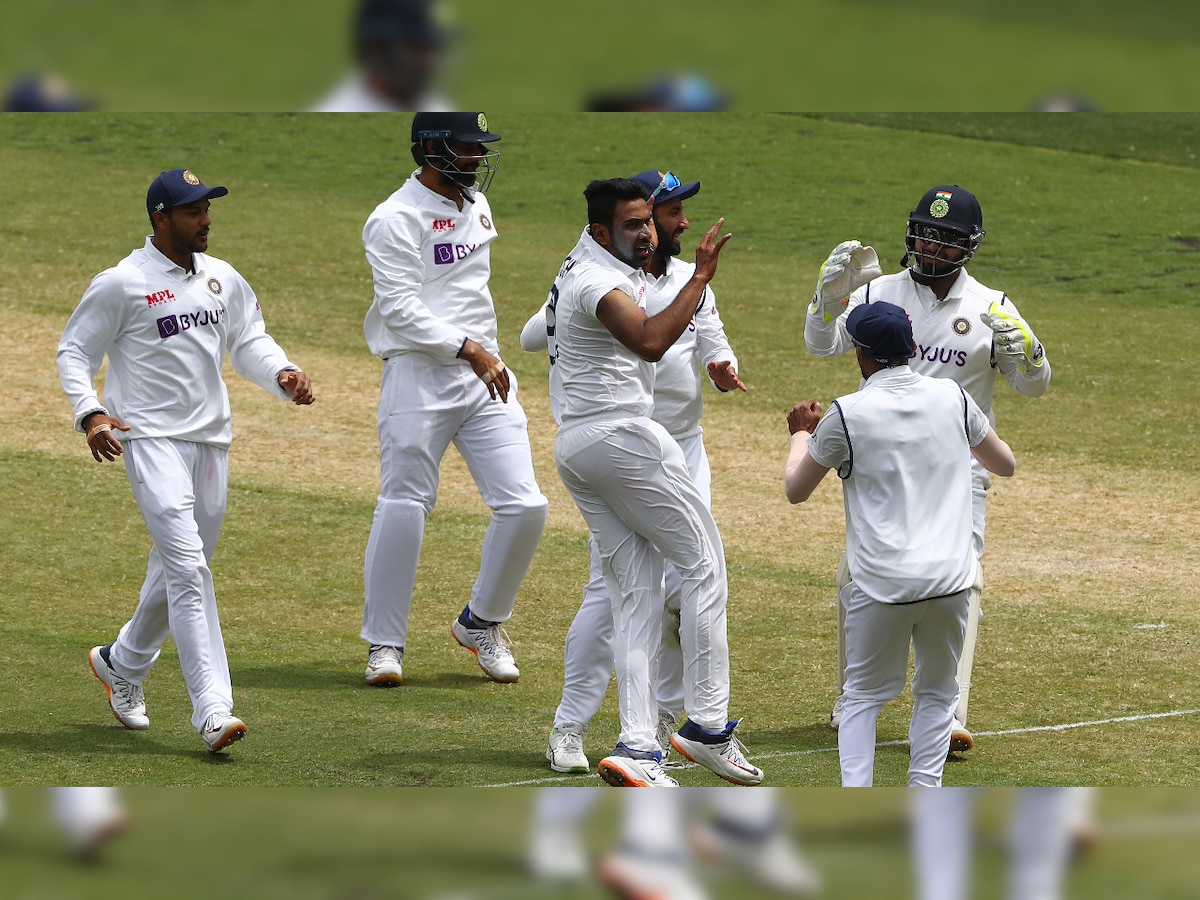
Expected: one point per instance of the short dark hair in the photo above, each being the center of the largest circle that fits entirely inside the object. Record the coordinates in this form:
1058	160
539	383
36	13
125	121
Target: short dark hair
604	195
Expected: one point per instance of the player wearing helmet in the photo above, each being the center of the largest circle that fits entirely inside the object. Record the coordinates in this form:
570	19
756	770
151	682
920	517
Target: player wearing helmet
433	324
965	331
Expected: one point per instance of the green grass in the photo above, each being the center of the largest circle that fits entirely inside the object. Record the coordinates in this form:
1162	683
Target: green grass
1090	611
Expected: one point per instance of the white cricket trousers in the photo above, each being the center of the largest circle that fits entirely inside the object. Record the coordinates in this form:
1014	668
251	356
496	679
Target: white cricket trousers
181	489
878	636
1039	838
423	407
588	653
630	481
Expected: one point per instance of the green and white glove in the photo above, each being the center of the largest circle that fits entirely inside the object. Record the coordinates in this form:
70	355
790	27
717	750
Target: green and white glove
1013	338
849	266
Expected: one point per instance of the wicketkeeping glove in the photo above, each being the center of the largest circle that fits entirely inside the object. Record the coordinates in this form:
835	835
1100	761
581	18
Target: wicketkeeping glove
1013	338
850	266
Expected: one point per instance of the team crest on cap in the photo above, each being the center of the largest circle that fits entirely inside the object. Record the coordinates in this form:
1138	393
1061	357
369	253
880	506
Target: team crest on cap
214	287
961	325
485	222
939	207
189	177
482	122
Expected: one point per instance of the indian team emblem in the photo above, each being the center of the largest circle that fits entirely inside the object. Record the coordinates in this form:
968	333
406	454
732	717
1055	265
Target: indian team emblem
961	325
485	222
482	122
214	287
189	177
940	205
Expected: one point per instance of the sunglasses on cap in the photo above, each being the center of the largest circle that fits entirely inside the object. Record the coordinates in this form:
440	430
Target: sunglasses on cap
669	182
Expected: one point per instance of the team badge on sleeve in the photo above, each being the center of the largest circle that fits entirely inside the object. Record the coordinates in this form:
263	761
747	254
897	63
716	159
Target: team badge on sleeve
485	221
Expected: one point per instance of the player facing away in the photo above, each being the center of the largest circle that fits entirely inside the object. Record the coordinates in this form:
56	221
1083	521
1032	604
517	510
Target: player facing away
678	405
902	446
165	317
433	324
964	331
630	481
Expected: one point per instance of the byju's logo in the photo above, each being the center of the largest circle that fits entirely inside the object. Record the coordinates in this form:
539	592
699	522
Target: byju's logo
443	254
167	326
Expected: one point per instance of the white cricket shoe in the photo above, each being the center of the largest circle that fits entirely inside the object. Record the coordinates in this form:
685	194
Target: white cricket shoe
662	734
564	749
385	666
960	739
490	646
221	730
126	699
835	717
721	753
641	876
92	824
634	768
770	859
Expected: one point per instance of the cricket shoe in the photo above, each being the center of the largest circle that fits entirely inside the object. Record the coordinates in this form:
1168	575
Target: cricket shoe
221	730
960	739
721	753
662	734
633	875
385	666
126	699
490	646
564	749
835	717
769	858
635	768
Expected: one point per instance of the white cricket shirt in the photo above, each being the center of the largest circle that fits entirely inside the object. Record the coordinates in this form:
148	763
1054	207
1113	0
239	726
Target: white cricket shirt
902	447
166	332
430	263
952	342
593	374
678	401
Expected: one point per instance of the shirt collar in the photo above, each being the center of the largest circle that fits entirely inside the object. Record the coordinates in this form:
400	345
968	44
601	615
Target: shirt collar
169	266
600	254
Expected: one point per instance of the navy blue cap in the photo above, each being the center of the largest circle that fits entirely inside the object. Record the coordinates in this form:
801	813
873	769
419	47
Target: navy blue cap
43	93
465	127
401	21
883	329
178	187
653	179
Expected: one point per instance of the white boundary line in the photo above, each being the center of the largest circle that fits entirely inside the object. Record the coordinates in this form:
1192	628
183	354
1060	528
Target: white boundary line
786	754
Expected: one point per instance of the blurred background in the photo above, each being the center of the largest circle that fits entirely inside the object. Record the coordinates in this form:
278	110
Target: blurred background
776	55
458	844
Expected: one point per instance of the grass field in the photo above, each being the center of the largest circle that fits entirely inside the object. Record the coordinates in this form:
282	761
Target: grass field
1088	653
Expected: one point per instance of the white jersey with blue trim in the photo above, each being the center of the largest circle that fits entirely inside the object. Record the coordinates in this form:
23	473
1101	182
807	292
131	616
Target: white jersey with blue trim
952	342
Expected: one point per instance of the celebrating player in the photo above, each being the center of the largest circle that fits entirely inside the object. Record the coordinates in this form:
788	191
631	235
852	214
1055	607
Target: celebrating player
964	331
602	345
678	404
902	446
433	324
165	315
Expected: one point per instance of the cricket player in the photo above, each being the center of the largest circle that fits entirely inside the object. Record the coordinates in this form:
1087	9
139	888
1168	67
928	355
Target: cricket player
678	405
433	324
902	446
630	480
965	331
165	316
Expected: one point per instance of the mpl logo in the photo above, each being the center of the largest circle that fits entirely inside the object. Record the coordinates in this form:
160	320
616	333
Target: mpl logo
159	297
443	224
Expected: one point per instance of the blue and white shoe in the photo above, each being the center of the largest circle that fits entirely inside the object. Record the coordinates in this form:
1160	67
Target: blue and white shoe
720	753
635	768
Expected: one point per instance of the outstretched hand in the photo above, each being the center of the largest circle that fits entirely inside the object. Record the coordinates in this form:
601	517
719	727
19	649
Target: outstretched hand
725	376
708	251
